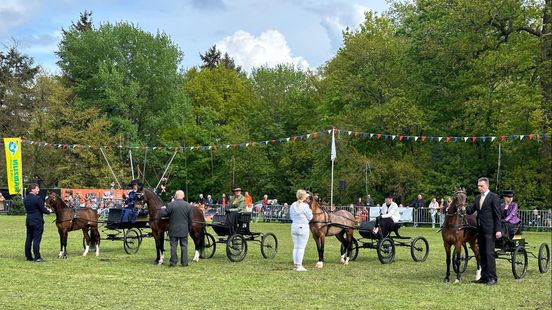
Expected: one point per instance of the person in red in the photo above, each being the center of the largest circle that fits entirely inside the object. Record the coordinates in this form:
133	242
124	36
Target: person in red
248	201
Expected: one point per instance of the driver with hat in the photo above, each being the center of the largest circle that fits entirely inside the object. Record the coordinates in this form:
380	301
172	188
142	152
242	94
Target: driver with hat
129	212
237	206
389	216
508	209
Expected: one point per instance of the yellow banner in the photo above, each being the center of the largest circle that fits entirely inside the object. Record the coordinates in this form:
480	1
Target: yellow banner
13	165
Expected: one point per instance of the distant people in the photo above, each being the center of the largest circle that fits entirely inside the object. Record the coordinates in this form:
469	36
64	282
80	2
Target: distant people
509	214
2	199
223	202
201	200
535	218
389	215
448	204
487	205
433	207
442	210
180	223
209	200
419	202
237	207
369	201
359	202
129	212
300	214
248	202
34	208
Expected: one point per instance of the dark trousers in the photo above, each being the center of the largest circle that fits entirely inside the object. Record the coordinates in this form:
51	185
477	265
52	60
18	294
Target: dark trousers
487	252
508	229
34	236
385	224
232	222
183	250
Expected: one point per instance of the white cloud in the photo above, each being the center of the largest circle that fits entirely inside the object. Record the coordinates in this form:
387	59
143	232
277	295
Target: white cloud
14	13
334	25
269	49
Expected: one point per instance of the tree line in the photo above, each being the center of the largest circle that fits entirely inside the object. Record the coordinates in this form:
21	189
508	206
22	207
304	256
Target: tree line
431	67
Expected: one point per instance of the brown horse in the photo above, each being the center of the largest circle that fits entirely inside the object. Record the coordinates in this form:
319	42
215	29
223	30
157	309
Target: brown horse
340	224
160	225
459	228
69	219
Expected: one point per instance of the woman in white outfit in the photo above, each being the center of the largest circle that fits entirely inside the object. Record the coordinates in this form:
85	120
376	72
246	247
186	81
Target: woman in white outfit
433	207
300	215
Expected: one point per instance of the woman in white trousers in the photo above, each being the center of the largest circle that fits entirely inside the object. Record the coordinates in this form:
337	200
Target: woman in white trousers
300	214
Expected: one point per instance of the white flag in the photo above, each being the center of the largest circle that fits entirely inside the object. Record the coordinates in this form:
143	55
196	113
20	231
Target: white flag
333	153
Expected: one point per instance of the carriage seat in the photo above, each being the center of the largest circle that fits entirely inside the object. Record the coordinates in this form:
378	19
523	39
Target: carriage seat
244	217
115	215
366	228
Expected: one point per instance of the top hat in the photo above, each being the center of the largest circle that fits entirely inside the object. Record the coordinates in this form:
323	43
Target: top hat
508	193
237	189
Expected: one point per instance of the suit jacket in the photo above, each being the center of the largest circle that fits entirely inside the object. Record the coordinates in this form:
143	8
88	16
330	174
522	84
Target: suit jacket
180	222
34	207
489	215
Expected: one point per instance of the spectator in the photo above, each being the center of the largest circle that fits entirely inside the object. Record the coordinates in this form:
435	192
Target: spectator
201	200
442	209
248	202
433	206
359	202
369	201
509	215
34	207
536	218
209	200
548	219
419	202
223	201
180	224
2	199
300	215
264	202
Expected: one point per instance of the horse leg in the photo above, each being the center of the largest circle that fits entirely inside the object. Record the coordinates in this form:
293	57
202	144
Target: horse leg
447	251
458	249
198	236
161	247
96	239
320	247
60	255
475	249
64	244
87	243
345	243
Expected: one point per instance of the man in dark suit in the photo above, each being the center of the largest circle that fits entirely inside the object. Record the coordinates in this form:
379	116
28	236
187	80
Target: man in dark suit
34	207
487	205
179	212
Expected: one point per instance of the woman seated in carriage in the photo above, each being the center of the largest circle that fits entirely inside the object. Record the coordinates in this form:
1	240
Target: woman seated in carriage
389	215
510	220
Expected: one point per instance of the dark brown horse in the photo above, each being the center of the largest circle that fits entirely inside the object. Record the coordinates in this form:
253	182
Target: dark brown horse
459	228
69	219
160	225
340	224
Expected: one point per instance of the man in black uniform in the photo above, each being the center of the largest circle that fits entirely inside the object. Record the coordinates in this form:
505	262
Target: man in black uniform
34	207
488	218
179	212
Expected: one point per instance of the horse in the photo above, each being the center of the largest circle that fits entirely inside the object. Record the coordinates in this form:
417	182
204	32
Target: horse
69	219
459	228
340	224
160	225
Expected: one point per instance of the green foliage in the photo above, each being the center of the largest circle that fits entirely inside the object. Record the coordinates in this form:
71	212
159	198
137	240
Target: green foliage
17	207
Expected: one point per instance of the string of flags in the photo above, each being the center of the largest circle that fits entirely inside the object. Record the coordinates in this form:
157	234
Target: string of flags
312	135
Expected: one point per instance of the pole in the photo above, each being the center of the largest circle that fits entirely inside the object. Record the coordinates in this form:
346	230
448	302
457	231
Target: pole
164	172
110	169
366	180
144	170
131	164
498	169
233	170
331	190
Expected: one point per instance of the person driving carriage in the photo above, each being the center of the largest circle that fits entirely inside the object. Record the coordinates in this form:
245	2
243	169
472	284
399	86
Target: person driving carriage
237	207
129	212
389	215
510	220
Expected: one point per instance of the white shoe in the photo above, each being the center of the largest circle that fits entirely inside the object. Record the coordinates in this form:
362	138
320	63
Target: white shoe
300	268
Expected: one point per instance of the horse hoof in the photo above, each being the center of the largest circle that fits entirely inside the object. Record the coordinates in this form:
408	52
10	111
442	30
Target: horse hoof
319	265
446	280
456	281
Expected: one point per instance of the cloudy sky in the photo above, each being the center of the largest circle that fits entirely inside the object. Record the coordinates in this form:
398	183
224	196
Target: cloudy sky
306	33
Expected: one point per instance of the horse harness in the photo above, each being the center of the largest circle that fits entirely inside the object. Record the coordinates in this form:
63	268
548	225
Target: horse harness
329	223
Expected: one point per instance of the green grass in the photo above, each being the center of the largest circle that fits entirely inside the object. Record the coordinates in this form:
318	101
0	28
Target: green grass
116	280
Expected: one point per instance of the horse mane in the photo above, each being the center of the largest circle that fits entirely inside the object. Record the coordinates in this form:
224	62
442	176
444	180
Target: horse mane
154	197
62	202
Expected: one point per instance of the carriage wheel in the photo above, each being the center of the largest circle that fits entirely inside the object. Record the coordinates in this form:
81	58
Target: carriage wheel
210	246
132	240
544	258
386	250
354	249
236	248
269	245
463	259
519	262
419	249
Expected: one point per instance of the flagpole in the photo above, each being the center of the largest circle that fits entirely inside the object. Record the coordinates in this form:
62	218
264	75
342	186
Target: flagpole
331	191
332	156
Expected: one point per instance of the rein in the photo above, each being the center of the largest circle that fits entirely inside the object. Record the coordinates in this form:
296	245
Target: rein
330	223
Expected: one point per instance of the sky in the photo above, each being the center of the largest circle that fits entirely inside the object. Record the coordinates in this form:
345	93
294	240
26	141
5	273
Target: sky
306	33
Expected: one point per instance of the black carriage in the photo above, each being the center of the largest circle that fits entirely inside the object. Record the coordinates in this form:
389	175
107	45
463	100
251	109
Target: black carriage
386	245
516	252
131	233
236	244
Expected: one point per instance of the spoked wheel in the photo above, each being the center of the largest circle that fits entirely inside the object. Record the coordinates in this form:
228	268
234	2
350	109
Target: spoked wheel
419	249
269	245
236	248
463	265
354	250
210	246
132	240
386	250
519	262
544	258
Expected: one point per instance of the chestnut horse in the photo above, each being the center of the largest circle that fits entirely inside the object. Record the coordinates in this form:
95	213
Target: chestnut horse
340	224
69	219
160	225
459	228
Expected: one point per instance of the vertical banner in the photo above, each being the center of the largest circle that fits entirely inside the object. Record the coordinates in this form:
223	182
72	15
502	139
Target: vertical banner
13	165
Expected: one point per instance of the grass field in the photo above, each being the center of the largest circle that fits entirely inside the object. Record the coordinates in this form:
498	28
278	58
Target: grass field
116	280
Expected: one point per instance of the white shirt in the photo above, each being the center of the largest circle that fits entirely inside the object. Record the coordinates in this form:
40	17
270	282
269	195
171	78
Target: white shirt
300	213
391	211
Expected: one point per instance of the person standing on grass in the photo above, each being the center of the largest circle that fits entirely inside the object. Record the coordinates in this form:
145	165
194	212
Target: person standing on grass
487	205
179	212
300	215
34	207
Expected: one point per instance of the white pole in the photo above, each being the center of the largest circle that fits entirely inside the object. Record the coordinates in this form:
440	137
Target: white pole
107	161
131	164
164	172
498	169
331	191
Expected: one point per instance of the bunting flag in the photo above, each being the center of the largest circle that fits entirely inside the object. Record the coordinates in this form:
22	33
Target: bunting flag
333	153
13	165
398	138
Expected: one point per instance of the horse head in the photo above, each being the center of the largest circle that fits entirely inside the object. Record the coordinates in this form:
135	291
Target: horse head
54	202
460	200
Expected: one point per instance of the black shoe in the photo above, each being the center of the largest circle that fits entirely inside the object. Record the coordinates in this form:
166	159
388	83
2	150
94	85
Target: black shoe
40	260
29	259
491	282
481	281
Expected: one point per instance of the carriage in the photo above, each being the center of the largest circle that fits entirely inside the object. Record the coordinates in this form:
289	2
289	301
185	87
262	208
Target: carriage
386	245
236	244
516	252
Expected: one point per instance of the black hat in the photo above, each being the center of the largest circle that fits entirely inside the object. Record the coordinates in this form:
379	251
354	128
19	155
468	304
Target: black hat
389	195
508	193
134	182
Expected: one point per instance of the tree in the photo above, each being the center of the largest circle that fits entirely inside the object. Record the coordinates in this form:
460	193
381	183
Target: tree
212	59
